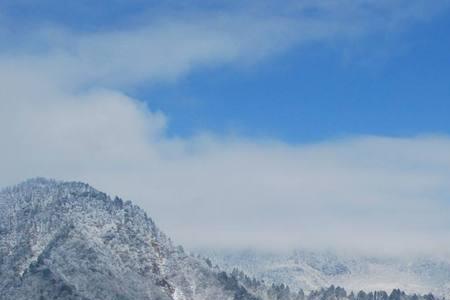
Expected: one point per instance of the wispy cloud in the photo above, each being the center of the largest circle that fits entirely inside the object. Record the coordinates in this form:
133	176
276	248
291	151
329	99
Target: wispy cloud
164	47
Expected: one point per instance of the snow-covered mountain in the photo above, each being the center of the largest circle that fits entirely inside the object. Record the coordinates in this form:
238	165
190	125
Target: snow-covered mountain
312	270
66	240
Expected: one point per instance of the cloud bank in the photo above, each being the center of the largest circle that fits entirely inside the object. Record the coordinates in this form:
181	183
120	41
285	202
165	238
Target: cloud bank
65	113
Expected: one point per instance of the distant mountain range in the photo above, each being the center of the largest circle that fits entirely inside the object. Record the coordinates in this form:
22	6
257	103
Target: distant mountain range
66	240
312	270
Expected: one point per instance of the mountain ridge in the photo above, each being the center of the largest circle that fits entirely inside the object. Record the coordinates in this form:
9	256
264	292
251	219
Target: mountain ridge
61	228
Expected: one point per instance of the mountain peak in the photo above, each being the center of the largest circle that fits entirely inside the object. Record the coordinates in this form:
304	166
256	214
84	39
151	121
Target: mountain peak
48	183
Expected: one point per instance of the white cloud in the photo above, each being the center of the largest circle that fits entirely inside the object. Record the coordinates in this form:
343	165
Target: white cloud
362	192
63	115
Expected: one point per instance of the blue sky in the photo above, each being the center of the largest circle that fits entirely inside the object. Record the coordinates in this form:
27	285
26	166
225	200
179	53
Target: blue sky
320	91
396	85
304	121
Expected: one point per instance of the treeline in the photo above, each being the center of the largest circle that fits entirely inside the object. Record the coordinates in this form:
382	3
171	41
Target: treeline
247	288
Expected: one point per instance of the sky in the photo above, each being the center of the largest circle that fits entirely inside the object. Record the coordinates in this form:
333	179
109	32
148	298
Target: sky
240	123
